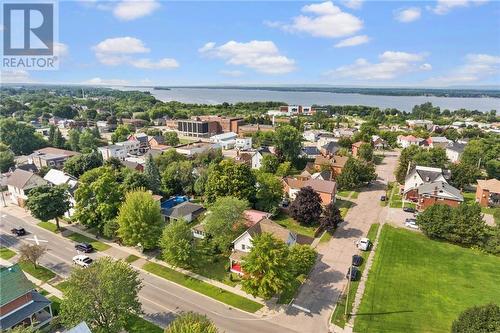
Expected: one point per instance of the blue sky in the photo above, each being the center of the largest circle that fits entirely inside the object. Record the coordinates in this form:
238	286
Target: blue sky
369	43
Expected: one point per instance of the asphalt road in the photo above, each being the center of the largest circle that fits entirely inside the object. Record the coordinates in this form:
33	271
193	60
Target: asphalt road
161	300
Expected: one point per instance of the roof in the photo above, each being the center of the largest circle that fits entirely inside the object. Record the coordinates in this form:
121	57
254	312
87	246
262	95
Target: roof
439	139
131	164
457	147
80	328
409	138
268	226
20	179
224	136
57	177
310	150
158	138
39	303
430	174
331	147
253	216
237	255
55	151
182	210
335	161
357	144
440	189
492	185
318	185
13	284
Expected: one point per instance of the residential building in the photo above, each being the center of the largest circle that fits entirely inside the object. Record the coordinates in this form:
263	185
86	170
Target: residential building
438	193
344	132
252	158
326	138
378	143
131	146
107	152
488	192
50	157
186	210
225	140
330	149
335	163
133	165
197	128
57	177
142	139
155	141
355	148
407	140
309	152
243	143
312	135
414	123
437	142
454	151
20	303
19	184
192	149
325	188
421	175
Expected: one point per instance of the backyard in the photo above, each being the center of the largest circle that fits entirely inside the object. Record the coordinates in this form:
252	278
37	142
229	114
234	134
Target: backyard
420	285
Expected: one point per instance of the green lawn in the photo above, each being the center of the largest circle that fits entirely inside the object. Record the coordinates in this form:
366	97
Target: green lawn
79	238
354	194
6	253
131	258
41	273
289	223
136	324
344	194
56	305
287	296
325	238
216	270
420	285
62	286
49	226
343	205
203	287
338	317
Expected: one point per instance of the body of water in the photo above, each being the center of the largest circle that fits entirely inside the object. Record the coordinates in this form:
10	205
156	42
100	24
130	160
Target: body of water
404	103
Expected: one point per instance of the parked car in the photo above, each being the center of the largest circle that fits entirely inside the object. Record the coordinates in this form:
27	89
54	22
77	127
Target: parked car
18	231
409	209
411	223
352	273
84	247
357	260
383	198
82	260
363	244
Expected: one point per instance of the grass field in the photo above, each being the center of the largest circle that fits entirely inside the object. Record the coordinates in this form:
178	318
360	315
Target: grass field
49	226
136	324
420	285
343	206
41	273
216	270
131	258
79	238
203	287
6	253
289	223
338	317
56	305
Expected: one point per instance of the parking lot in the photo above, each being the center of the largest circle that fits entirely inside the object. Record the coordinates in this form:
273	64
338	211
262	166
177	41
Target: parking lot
397	217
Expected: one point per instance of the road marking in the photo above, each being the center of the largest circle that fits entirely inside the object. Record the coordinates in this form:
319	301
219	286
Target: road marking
301	308
36	240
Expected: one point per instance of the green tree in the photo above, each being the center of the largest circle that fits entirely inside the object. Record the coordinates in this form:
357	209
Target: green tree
78	165
74	139
355	173
167	158
463	174
190	322
301	259
98	198
306	208
224	222
48	202
31	253
434	157
478	319
171	138
177	243
88	142
140	220
469	227
405	161
331	218
288	143
121	133
435	221
21	138
133	180
104	295
6	158
178	178
152	174
493	169
366	152
269	192
230	179
284	169
267	267
269	163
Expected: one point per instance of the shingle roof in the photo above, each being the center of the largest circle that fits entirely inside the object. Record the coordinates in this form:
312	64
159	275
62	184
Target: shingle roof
437	188
268	226
493	185
182	210
19	178
39	303
458	147
331	147
318	185
13	284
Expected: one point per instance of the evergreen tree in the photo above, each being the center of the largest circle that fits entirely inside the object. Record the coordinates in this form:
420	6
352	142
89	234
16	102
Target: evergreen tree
152	174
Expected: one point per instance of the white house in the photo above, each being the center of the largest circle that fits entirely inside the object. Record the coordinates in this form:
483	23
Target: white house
243	143
57	177
438	142
408	140
19	184
195	148
454	151
131	146
311	135
107	152
414	123
225	140
422	175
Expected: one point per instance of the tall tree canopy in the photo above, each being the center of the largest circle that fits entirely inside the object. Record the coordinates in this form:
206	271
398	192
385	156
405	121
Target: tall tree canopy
306	208
152	174
478	319
48	202
269	192
20	137
177	243
355	173
288	143
78	165
230	179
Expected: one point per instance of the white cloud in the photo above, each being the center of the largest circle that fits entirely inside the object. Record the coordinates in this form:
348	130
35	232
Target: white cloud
165	63
353	4
391	65
128	10
426	67
262	56
444	6
408	15
108	82
15	76
353	41
477	67
230	73
61	49
325	20
121	45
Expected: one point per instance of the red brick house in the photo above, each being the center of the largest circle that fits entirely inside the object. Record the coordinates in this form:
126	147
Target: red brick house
488	192
355	148
325	188
438	193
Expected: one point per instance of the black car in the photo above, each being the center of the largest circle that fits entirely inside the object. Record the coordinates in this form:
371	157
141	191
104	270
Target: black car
357	260
383	198
18	231
84	247
409	209
352	272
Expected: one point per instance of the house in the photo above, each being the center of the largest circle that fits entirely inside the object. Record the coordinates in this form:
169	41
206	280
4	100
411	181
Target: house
439	193
20	303
155	141
355	148
107	152
243	244
131	146
311	135
415	123
225	140
192	149
325	138
309	152
50	157
142	139
57	177
19	184
325	188
420	175
454	151
488	192
252	158
378	143
437	142
407	140
243	143
344	132
186	210
335	163
133	165
330	149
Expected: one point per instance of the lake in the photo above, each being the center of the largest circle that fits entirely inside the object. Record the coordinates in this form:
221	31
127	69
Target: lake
404	103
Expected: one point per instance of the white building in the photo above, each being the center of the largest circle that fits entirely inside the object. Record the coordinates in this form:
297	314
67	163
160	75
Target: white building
131	146
19	184
107	152
414	123
57	177
243	143
225	140
408	140
423	175
312	135
454	151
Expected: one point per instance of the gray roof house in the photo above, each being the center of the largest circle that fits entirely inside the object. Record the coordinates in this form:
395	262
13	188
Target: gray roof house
20	182
186	210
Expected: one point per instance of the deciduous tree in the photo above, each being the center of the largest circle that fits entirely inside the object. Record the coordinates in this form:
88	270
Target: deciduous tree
190	322
31	253
171	138
331	218
20	137
48	202
306	208
78	165
288	143
301	259
177	243
269	163
230	179
269	192
484	319
366	152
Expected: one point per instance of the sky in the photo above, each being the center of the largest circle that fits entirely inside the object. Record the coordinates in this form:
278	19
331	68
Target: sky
342	43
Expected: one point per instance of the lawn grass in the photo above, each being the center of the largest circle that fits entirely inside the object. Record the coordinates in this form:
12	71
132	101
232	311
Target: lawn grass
136	324
344	194
62	286
338	317
343	206
6	253
131	258
56	305
79	238
49	226
421	285
40	272
325	238
203	287
215	270
289	223
354	194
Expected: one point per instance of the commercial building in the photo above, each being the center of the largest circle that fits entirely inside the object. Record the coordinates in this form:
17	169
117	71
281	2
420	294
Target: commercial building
198	128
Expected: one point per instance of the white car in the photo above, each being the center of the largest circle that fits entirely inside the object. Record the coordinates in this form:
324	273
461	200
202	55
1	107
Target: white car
411	223
82	260
363	244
